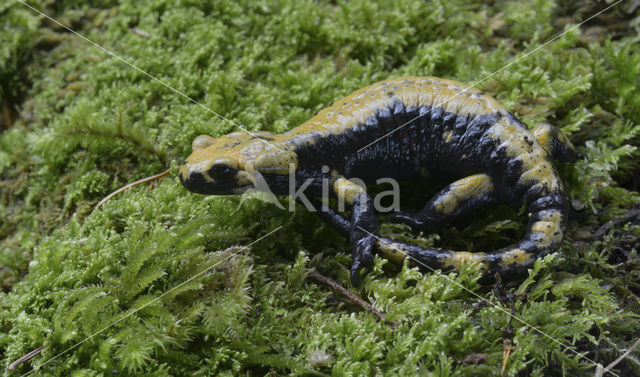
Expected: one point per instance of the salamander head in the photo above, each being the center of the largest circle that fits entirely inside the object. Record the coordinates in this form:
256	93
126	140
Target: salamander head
232	164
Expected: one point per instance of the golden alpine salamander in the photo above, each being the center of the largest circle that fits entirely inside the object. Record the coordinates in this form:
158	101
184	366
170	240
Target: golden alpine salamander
461	135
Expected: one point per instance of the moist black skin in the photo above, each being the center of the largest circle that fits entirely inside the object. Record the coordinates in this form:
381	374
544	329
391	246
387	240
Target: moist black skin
406	129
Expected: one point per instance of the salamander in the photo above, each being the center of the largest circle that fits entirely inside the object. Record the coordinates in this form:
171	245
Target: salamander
404	128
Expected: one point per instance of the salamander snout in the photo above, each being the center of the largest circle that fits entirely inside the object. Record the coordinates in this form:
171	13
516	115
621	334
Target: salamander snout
218	179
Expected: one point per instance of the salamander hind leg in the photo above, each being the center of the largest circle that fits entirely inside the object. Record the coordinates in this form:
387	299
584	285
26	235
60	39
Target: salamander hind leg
555	142
455	200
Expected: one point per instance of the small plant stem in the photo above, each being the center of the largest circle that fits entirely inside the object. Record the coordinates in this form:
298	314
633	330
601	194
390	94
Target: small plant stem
352	297
624	355
633	212
26	358
136	183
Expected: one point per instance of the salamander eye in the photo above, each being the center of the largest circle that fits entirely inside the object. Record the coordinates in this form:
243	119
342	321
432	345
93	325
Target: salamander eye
221	172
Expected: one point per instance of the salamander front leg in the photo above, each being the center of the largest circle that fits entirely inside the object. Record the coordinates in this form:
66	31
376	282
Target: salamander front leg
363	225
333	218
455	200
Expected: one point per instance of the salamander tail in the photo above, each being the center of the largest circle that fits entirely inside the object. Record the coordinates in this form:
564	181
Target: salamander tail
544	234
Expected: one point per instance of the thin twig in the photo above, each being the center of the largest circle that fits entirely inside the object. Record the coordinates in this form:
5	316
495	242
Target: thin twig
633	212
355	299
26	357
136	183
624	355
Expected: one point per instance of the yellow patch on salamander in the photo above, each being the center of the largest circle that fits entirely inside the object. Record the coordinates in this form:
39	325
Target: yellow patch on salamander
346	190
456	259
353	110
462	189
517	256
518	143
392	252
543	134
548	228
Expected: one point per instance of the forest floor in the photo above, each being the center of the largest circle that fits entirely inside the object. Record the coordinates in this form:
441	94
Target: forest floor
131	288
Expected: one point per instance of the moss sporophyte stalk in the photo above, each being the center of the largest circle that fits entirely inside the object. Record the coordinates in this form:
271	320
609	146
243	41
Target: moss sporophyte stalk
77	124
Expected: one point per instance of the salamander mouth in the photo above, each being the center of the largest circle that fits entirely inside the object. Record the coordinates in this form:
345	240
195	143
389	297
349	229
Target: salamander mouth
197	183
241	189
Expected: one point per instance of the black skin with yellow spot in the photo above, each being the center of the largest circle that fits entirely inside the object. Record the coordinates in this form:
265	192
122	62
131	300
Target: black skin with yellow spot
429	127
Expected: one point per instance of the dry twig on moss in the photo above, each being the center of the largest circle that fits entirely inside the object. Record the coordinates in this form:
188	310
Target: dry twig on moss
632	213
352	297
26	358
136	183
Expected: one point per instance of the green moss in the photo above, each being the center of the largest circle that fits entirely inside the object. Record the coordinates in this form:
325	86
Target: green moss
88	124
